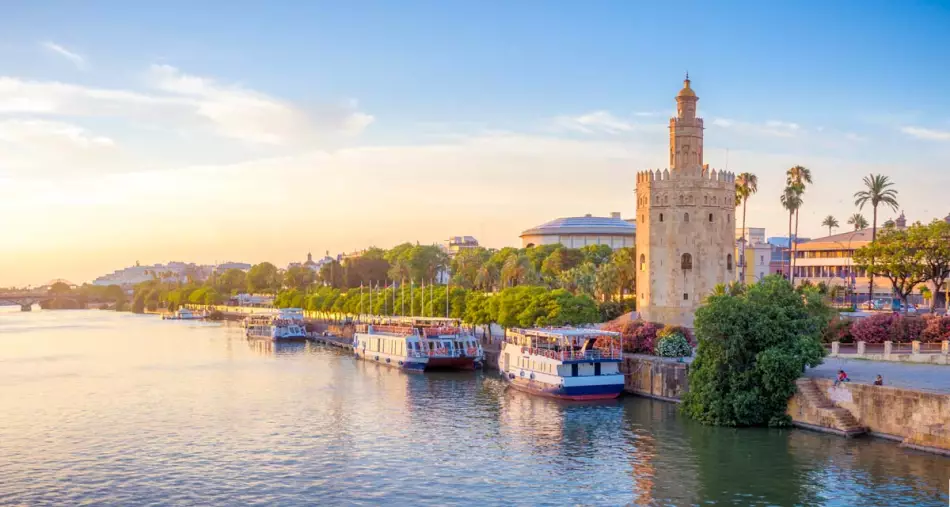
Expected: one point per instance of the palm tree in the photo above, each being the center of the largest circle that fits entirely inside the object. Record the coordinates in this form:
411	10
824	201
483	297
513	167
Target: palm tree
798	176
830	222
876	191
746	185
791	200
487	277
858	221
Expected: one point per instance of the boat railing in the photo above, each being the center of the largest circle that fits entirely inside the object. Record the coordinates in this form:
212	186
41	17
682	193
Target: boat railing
573	355
387	329
440	331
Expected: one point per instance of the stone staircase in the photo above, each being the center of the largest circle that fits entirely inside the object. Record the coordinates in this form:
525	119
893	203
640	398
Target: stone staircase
836	419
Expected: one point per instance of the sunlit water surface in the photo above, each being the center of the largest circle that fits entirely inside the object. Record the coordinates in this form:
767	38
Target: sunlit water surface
99	407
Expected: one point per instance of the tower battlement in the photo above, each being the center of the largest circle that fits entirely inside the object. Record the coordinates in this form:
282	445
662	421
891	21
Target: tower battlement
685	224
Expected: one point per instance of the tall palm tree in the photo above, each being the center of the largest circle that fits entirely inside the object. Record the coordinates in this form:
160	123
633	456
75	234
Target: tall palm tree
877	191
746	185
858	221
791	201
798	176
830	222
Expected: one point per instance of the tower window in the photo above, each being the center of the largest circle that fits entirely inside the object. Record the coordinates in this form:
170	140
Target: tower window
686	217
686	261
685	296
710	217
661	217
729	262
643	261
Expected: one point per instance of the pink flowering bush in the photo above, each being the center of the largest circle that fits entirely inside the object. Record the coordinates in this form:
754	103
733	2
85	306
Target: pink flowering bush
936	328
882	327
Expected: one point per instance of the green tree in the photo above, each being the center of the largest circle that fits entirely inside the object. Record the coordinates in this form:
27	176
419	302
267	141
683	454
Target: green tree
877	191
798	177
539	253
263	278
933	244
59	289
299	277
371	267
858	221
478	311
596	254
747	184
581	279
895	255
607	281
791	200
830	222
752	348
466	264
559	261
232	281
332	274
624	259
487	278
517	270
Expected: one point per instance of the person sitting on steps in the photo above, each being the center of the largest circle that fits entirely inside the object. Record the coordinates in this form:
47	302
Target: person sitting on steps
879	381
842	377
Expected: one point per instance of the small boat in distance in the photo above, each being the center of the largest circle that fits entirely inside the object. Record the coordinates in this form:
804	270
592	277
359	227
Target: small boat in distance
418	344
183	314
565	363
286	325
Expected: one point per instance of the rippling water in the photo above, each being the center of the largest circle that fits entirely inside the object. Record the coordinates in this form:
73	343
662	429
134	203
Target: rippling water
99	407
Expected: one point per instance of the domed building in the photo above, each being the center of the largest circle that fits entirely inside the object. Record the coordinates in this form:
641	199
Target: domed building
577	232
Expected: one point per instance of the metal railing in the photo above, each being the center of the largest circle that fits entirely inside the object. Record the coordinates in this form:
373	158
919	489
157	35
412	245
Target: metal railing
574	355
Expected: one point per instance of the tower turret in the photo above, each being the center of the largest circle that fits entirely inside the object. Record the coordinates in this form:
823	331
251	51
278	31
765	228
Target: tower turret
686	131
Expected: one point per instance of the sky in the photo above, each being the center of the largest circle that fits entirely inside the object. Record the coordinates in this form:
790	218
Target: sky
250	131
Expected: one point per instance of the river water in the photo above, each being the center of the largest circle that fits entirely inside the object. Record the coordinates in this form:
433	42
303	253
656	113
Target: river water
108	408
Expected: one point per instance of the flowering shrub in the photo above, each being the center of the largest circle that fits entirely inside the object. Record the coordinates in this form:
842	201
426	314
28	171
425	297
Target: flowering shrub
882	327
673	345
936	328
669	330
638	336
838	330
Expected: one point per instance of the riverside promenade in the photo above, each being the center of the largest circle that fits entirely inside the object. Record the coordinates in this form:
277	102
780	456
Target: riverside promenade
923	377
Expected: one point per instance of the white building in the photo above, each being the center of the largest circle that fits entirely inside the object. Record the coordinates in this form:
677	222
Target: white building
455	244
577	232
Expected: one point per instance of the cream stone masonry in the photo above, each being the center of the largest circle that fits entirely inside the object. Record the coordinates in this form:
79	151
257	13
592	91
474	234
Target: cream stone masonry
685	224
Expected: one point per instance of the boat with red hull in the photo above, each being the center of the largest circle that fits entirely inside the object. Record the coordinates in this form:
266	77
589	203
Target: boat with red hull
417	344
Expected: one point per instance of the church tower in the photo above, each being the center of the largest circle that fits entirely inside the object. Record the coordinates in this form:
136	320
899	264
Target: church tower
685	224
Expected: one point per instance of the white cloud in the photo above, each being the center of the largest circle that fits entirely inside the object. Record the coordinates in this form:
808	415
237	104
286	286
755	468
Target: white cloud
594	122
73	57
928	134
183	101
42	148
771	128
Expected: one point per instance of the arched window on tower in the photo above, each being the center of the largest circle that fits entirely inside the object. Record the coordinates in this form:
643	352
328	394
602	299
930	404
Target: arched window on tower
643	262
710	217
729	262
706	199
661	217
686	262
686	217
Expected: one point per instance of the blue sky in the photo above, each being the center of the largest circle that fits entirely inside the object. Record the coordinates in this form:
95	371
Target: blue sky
512	102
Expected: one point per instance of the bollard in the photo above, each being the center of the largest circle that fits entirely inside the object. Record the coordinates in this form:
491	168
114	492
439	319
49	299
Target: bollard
861	348
834	349
945	347
915	347
887	349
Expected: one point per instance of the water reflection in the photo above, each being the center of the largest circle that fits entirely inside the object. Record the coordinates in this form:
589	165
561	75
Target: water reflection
99	407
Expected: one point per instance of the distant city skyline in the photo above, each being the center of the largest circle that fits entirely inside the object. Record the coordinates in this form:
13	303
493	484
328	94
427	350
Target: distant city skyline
280	129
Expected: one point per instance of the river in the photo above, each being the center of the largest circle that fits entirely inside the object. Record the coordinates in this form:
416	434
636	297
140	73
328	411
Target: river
98	407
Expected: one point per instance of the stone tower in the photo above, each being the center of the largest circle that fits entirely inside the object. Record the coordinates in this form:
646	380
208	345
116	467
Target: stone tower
685	224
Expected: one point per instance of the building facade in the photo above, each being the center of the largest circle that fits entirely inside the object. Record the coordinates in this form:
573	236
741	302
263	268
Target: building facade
456	244
578	232
686	224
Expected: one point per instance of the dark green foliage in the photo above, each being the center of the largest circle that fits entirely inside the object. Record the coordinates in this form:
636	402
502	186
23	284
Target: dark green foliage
673	345
752	348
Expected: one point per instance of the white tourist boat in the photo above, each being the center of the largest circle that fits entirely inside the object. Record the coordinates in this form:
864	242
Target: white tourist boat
285	325
418	344
184	314
566	363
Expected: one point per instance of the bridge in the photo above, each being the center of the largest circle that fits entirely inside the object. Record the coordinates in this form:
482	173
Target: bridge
26	299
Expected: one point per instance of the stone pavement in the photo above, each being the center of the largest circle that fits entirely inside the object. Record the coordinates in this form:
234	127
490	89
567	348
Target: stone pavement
924	377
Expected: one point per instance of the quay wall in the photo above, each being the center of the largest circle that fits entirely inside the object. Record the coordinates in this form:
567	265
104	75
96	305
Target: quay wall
917	419
655	377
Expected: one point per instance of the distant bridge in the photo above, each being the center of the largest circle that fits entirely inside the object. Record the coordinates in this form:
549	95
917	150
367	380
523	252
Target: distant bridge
26	299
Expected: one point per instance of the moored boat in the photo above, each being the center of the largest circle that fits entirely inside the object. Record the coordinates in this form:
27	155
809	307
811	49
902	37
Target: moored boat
565	363
286	325
184	314
418	344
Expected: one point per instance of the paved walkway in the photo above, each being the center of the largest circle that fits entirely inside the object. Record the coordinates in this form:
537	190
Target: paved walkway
925	377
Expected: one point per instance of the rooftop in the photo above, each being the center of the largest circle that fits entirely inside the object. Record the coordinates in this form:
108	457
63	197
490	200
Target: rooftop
584	225
844	240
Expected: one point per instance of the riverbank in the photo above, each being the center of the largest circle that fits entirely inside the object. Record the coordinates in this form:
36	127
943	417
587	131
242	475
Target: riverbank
916	418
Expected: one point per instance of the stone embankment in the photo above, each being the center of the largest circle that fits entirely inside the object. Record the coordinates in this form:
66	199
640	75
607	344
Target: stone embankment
918	419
